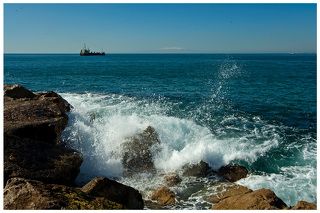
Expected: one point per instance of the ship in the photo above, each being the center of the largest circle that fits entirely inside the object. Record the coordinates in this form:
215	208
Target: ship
85	51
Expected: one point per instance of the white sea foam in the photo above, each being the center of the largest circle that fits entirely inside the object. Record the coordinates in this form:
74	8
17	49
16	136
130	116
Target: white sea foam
99	124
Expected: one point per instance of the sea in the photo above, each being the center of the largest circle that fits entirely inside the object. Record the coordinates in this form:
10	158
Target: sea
256	110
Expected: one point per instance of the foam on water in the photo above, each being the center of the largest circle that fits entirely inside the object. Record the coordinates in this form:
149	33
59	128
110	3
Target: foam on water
99	124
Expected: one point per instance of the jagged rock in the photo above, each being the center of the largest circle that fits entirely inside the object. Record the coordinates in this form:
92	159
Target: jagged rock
172	179
163	196
137	154
17	91
200	169
32	127
20	193
259	199
125	195
233	172
38	160
42	117
226	191
303	205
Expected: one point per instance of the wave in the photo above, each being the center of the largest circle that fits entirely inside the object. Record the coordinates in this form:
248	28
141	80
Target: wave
99	124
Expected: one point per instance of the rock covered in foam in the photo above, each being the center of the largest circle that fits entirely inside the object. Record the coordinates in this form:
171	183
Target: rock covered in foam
138	151
163	196
233	173
21	193
225	191
200	169
127	196
172	179
258	200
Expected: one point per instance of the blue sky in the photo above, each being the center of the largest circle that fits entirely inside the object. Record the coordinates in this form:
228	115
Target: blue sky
160	28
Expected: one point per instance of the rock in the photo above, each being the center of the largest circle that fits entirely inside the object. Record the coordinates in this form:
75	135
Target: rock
125	195
21	193
17	91
138	150
163	196
233	172
172	180
200	169
38	160
259	199
303	205
228	191
43	117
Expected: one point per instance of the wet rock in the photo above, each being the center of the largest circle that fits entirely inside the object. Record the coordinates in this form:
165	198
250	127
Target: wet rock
233	172
154	205
17	91
127	196
138	150
303	205
172	180
38	160
200	169
20	193
163	196
259	199
42	117
226	191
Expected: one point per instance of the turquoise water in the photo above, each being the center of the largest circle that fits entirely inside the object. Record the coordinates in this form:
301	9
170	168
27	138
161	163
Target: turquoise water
258	110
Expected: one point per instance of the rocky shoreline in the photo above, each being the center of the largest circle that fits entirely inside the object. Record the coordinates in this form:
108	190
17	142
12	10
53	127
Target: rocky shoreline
40	169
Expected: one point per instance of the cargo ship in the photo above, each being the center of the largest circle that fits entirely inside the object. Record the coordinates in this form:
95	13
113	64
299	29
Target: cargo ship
87	52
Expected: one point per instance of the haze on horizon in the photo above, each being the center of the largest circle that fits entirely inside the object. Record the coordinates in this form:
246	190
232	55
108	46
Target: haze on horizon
160	28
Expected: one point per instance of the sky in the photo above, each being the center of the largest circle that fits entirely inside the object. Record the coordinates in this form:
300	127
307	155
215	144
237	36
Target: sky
160	28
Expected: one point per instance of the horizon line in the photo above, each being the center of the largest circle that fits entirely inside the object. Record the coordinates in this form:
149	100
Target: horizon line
72	53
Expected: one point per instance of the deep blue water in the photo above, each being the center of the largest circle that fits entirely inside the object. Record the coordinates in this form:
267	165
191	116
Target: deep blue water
264	104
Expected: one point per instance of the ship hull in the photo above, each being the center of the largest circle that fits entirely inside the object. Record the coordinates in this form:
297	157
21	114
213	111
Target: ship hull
92	54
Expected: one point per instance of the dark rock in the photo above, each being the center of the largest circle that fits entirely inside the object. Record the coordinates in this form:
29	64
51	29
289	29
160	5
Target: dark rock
172	180
125	195
163	196
255	200
200	169
303	205
233	172
137	154
17	91
41	118
38	160
20	193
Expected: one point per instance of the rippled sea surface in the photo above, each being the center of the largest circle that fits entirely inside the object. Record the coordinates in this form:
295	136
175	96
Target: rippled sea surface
257	110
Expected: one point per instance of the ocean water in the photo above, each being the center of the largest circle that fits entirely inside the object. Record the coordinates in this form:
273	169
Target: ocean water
257	110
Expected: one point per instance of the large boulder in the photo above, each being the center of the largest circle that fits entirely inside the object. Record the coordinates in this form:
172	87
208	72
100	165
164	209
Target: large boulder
20	193
32	127
255	200
138	152
200	169
233	173
303	205
163	196
40	117
127	196
225	191
39	160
